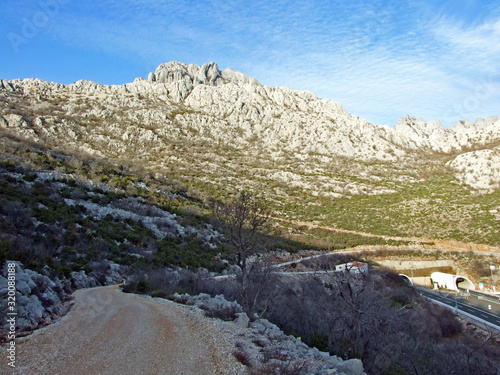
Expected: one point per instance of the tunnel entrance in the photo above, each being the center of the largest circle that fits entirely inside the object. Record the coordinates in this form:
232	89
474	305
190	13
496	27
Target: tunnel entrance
406	278
464	283
452	282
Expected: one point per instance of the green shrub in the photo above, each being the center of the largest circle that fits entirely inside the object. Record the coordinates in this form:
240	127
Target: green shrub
319	340
143	286
5	250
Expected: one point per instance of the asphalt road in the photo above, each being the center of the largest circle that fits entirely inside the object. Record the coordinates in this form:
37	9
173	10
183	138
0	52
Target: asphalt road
474	306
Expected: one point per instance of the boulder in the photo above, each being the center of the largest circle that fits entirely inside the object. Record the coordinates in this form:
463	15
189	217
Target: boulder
242	320
267	347
351	366
23	287
38	298
80	280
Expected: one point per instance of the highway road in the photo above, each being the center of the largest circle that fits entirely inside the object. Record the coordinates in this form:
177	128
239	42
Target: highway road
472	307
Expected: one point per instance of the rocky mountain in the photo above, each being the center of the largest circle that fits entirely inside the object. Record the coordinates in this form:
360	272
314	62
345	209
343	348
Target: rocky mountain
231	101
219	131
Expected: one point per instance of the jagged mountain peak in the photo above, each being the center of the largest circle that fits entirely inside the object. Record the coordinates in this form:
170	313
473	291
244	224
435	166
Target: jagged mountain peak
207	74
207	105
414	133
184	78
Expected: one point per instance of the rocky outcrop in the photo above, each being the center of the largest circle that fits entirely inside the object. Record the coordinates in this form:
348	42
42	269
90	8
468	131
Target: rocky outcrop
81	279
479	169
207	74
210	107
264	346
185	78
39	299
294	120
216	306
413	133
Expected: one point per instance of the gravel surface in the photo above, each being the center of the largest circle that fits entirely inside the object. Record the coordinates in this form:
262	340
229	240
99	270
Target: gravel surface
110	332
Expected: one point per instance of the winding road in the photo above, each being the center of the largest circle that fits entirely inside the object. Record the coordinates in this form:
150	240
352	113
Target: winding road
444	245
110	332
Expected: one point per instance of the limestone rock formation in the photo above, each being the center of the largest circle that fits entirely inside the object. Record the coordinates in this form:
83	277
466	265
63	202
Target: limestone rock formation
39	299
208	108
251	337
413	133
479	169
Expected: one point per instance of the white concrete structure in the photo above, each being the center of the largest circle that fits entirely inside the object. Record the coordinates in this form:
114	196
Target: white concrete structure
406	278
452	282
356	267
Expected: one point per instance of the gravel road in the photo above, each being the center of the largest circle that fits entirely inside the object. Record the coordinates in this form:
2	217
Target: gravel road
110	332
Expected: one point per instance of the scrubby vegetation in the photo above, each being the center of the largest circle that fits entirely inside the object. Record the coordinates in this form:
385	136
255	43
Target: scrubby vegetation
52	213
73	214
77	214
374	316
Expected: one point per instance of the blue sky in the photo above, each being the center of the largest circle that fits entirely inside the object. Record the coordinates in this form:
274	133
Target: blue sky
381	60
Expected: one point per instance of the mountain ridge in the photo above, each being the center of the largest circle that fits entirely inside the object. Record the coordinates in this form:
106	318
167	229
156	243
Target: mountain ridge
205	105
219	132
178	81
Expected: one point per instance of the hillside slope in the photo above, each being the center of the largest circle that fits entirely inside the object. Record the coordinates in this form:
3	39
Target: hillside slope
221	131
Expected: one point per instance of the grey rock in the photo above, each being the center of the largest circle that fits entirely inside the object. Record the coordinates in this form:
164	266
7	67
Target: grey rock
81	280
6	85
267	324
38	298
34	310
50	299
22	324
35	280
206	302
334	360
302	347
194	96
351	367
258	326
22	300
242	320
266	345
18	268
324	355
4	286
23	287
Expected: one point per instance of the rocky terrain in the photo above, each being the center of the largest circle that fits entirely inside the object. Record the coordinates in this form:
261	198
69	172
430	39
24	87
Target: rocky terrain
64	232
217	132
263	346
110	332
182	109
42	299
100	180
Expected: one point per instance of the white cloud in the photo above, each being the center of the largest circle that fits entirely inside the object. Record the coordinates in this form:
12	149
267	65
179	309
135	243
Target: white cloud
380	60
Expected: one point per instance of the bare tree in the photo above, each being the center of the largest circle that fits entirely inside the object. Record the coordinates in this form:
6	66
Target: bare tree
263	286
243	220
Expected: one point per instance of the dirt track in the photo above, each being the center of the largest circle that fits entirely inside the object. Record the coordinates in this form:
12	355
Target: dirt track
446	245
110	332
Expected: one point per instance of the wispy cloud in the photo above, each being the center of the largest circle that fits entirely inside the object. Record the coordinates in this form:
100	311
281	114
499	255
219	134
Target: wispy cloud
430	67
380	59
